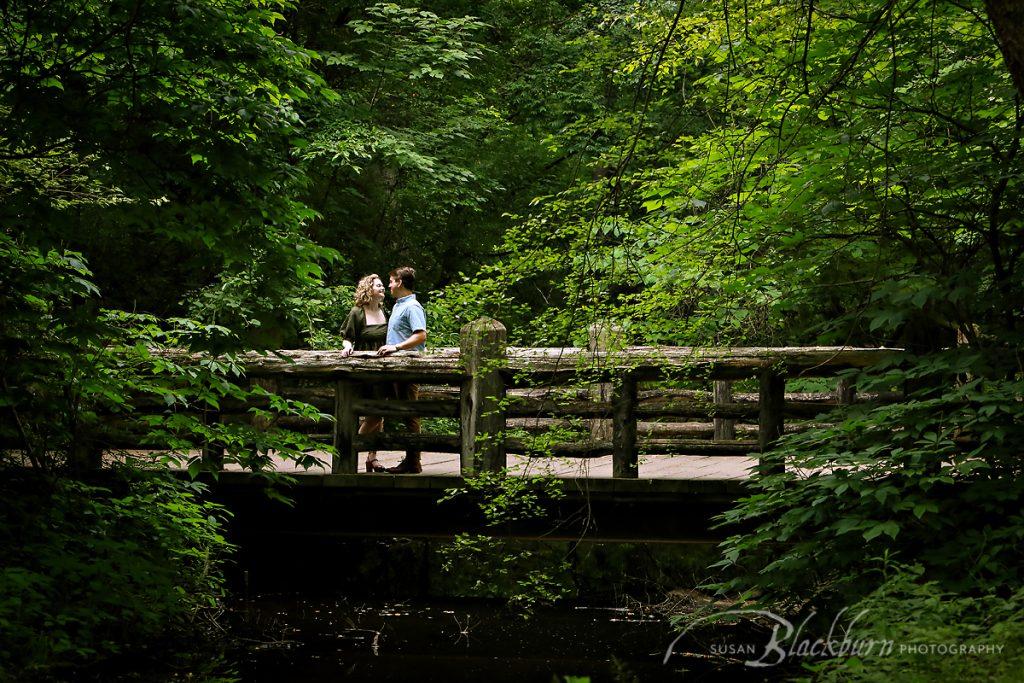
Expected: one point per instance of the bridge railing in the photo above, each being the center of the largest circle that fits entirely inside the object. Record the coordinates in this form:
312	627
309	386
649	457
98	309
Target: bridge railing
624	392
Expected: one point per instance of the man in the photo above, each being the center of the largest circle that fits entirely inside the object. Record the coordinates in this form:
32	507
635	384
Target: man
407	331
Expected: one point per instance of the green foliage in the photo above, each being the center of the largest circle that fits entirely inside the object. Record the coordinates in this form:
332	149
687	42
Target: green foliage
155	139
757	181
788	174
75	379
393	161
443	124
934	480
323	315
737	173
89	571
504	497
920	618
525	575
155	142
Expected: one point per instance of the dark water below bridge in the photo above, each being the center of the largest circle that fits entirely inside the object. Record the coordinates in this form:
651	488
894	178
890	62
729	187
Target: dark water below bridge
329	640
378	610
398	610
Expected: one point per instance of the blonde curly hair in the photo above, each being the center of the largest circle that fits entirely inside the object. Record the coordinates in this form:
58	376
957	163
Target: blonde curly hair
364	290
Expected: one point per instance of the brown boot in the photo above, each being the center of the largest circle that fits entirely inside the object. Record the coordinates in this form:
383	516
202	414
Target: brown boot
410	465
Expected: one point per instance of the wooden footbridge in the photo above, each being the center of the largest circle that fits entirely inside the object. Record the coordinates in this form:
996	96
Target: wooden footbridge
632	405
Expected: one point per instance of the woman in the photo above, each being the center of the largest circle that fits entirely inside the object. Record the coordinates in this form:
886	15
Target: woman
366	329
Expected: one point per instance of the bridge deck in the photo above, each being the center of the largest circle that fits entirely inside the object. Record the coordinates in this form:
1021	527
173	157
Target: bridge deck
676	467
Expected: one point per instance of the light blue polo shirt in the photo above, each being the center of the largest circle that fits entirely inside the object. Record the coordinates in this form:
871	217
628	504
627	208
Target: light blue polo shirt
406	317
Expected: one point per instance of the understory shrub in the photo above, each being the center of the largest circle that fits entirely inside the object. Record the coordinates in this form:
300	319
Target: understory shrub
90	571
933	480
934	635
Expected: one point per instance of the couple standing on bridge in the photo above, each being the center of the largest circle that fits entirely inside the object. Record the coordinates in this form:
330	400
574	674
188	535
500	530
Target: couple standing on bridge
368	328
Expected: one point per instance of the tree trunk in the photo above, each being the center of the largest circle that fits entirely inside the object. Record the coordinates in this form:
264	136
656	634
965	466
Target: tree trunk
1008	19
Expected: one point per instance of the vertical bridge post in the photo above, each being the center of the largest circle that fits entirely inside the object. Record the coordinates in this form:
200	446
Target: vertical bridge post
269	384
212	454
625	463
846	393
602	337
770	423
725	429
262	423
482	398
346	460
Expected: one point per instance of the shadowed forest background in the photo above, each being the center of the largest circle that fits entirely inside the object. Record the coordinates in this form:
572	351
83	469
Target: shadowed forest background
216	175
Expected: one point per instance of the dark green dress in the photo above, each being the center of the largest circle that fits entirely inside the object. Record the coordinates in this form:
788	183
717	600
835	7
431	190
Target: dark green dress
367	338
363	337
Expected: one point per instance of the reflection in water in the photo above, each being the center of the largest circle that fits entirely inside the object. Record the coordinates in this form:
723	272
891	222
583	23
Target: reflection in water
295	638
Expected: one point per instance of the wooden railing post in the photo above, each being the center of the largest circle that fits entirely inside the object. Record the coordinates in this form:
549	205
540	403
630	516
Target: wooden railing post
770	423
482	413
846	393
725	429
213	456
85	456
624	452
602	336
346	460
270	384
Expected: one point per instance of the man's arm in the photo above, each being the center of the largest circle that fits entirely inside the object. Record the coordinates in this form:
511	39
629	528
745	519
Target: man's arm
415	339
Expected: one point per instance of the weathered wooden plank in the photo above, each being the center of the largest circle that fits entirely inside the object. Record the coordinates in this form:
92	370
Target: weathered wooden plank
665	430
653	397
597	449
396	408
439	392
660	407
696	409
436	365
126	434
692	362
698	446
531	409
309	394
525	407
392	441
543	448
654	430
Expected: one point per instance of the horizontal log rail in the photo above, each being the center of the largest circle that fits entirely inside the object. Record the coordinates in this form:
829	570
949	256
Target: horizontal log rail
493	389
396	408
446	365
552	399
